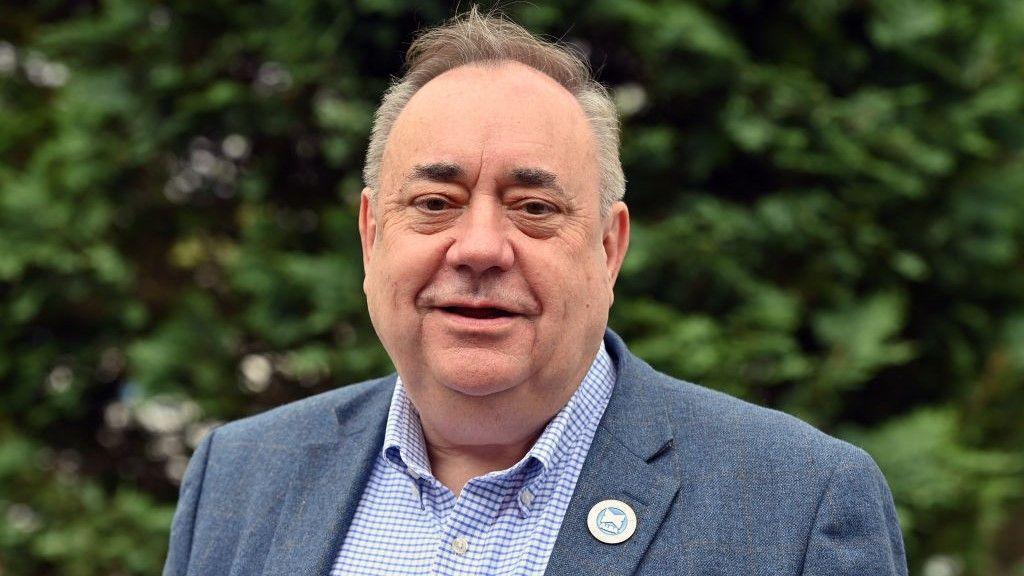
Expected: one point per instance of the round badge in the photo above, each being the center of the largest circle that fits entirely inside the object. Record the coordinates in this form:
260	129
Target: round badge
612	521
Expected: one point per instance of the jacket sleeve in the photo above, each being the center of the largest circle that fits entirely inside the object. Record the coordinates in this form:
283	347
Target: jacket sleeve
856	531
188	505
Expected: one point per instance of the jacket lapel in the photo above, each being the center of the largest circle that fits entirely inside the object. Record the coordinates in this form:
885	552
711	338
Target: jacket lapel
323	495
632	459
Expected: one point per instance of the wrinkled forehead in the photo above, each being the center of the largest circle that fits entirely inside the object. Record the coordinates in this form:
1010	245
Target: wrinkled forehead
493	118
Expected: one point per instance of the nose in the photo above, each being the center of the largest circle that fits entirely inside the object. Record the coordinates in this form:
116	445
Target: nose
481	242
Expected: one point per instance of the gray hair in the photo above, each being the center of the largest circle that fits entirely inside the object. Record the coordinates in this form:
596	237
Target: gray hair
474	38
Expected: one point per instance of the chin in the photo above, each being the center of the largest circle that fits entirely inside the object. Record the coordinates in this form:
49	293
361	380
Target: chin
479	374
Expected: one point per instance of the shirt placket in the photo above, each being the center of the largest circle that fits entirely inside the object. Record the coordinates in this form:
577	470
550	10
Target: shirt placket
464	537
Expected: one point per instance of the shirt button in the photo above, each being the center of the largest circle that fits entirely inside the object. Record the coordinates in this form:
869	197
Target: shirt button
460	545
526	497
415	490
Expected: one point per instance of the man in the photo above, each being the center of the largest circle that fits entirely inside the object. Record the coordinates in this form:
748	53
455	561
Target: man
519	435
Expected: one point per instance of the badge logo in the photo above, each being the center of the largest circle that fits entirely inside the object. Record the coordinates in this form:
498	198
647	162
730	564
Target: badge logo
612	521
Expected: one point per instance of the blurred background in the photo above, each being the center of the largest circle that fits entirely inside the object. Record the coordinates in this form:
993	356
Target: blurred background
828	202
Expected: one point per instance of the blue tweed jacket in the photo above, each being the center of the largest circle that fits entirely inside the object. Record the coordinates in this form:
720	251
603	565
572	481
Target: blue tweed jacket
720	487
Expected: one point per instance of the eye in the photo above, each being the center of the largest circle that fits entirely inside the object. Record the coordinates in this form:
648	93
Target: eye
537	208
432	204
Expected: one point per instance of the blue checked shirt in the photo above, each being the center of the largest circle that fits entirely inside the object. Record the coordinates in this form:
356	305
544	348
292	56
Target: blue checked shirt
503	523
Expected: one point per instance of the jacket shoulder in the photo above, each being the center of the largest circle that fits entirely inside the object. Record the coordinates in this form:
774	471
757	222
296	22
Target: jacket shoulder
744	471
722	427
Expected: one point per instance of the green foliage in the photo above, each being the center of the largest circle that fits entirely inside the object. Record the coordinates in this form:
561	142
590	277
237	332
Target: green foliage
828	204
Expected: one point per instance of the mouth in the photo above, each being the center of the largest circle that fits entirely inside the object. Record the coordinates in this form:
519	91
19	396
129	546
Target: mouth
481	313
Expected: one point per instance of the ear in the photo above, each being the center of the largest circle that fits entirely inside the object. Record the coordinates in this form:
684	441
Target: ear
615	240
367	226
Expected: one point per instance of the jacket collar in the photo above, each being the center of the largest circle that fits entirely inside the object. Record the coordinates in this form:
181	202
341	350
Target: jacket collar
636	416
322	497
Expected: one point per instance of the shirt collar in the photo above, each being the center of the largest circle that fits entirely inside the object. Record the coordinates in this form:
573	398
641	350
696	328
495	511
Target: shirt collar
405	449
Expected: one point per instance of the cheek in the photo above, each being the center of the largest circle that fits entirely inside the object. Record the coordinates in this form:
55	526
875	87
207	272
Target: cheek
573	285
594	286
379	283
374	286
405	264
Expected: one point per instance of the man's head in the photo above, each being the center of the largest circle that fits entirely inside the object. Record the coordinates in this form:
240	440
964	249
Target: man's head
491	227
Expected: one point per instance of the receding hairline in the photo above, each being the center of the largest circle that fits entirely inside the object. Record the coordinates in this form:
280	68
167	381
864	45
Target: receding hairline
500	63
485	66
551	85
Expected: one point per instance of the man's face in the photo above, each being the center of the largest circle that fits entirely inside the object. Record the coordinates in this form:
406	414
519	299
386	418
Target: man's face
489	266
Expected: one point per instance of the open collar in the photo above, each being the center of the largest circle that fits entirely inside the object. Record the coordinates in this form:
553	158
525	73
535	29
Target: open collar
405	448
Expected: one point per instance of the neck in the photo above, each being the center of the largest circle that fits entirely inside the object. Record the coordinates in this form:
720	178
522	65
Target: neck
454	465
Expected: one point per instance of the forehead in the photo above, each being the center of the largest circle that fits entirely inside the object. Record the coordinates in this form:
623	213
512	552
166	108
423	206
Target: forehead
493	117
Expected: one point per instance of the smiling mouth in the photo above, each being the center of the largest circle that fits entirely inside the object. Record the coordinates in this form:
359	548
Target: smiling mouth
478	313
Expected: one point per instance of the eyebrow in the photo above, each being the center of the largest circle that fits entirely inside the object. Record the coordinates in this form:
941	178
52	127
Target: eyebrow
449	172
445	172
536	178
